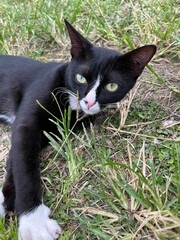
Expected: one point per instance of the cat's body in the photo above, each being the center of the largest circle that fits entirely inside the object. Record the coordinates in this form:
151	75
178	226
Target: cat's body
93	78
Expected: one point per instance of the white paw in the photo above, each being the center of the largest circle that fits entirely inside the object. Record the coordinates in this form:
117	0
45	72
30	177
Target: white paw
37	225
2	210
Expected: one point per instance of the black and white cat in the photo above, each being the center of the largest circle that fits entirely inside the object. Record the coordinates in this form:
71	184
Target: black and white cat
93	78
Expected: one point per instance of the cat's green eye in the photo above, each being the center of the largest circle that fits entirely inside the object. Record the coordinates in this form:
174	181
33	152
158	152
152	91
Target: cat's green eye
80	79
112	87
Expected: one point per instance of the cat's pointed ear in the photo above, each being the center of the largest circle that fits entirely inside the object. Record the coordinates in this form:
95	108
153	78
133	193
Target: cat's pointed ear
136	60
79	44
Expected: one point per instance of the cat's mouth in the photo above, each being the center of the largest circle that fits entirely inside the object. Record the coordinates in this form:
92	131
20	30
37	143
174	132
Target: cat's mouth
88	107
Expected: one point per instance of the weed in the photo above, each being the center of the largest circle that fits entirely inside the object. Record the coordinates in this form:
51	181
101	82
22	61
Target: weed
120	179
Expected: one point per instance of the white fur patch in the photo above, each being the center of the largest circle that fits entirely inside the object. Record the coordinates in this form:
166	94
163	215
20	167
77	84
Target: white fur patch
2	210
8	119
91	97
90	111
73	101
37	225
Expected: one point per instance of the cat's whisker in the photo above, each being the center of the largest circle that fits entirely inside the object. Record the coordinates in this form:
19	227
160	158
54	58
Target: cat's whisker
64	100
71	93
61	91
64	90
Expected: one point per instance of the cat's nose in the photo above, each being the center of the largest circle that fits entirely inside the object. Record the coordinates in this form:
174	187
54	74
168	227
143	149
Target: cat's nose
89	104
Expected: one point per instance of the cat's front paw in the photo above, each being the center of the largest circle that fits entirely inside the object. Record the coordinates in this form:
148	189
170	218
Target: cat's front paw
37	225
2	209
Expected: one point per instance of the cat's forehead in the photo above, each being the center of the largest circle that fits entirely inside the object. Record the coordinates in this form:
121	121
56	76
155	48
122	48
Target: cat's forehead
105	52
104	59
84	68
100	61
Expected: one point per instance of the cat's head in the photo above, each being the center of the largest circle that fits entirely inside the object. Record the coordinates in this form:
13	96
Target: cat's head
99	76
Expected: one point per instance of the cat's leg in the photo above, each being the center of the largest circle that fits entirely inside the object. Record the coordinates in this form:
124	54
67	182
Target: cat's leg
36	225
7	192
8	189
2	209
34	221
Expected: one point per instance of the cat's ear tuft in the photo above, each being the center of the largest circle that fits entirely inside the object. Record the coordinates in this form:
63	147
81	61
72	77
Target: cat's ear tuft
79	44
139	58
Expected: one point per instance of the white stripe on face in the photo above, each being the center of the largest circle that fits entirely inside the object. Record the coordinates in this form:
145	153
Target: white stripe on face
88	103
91	96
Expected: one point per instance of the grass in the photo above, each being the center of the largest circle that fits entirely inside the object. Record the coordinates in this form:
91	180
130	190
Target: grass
121	178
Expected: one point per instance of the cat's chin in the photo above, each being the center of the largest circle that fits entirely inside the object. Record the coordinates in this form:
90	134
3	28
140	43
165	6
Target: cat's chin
83	107
90	111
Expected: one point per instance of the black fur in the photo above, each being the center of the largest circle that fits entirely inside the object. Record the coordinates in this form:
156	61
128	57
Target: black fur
24	81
